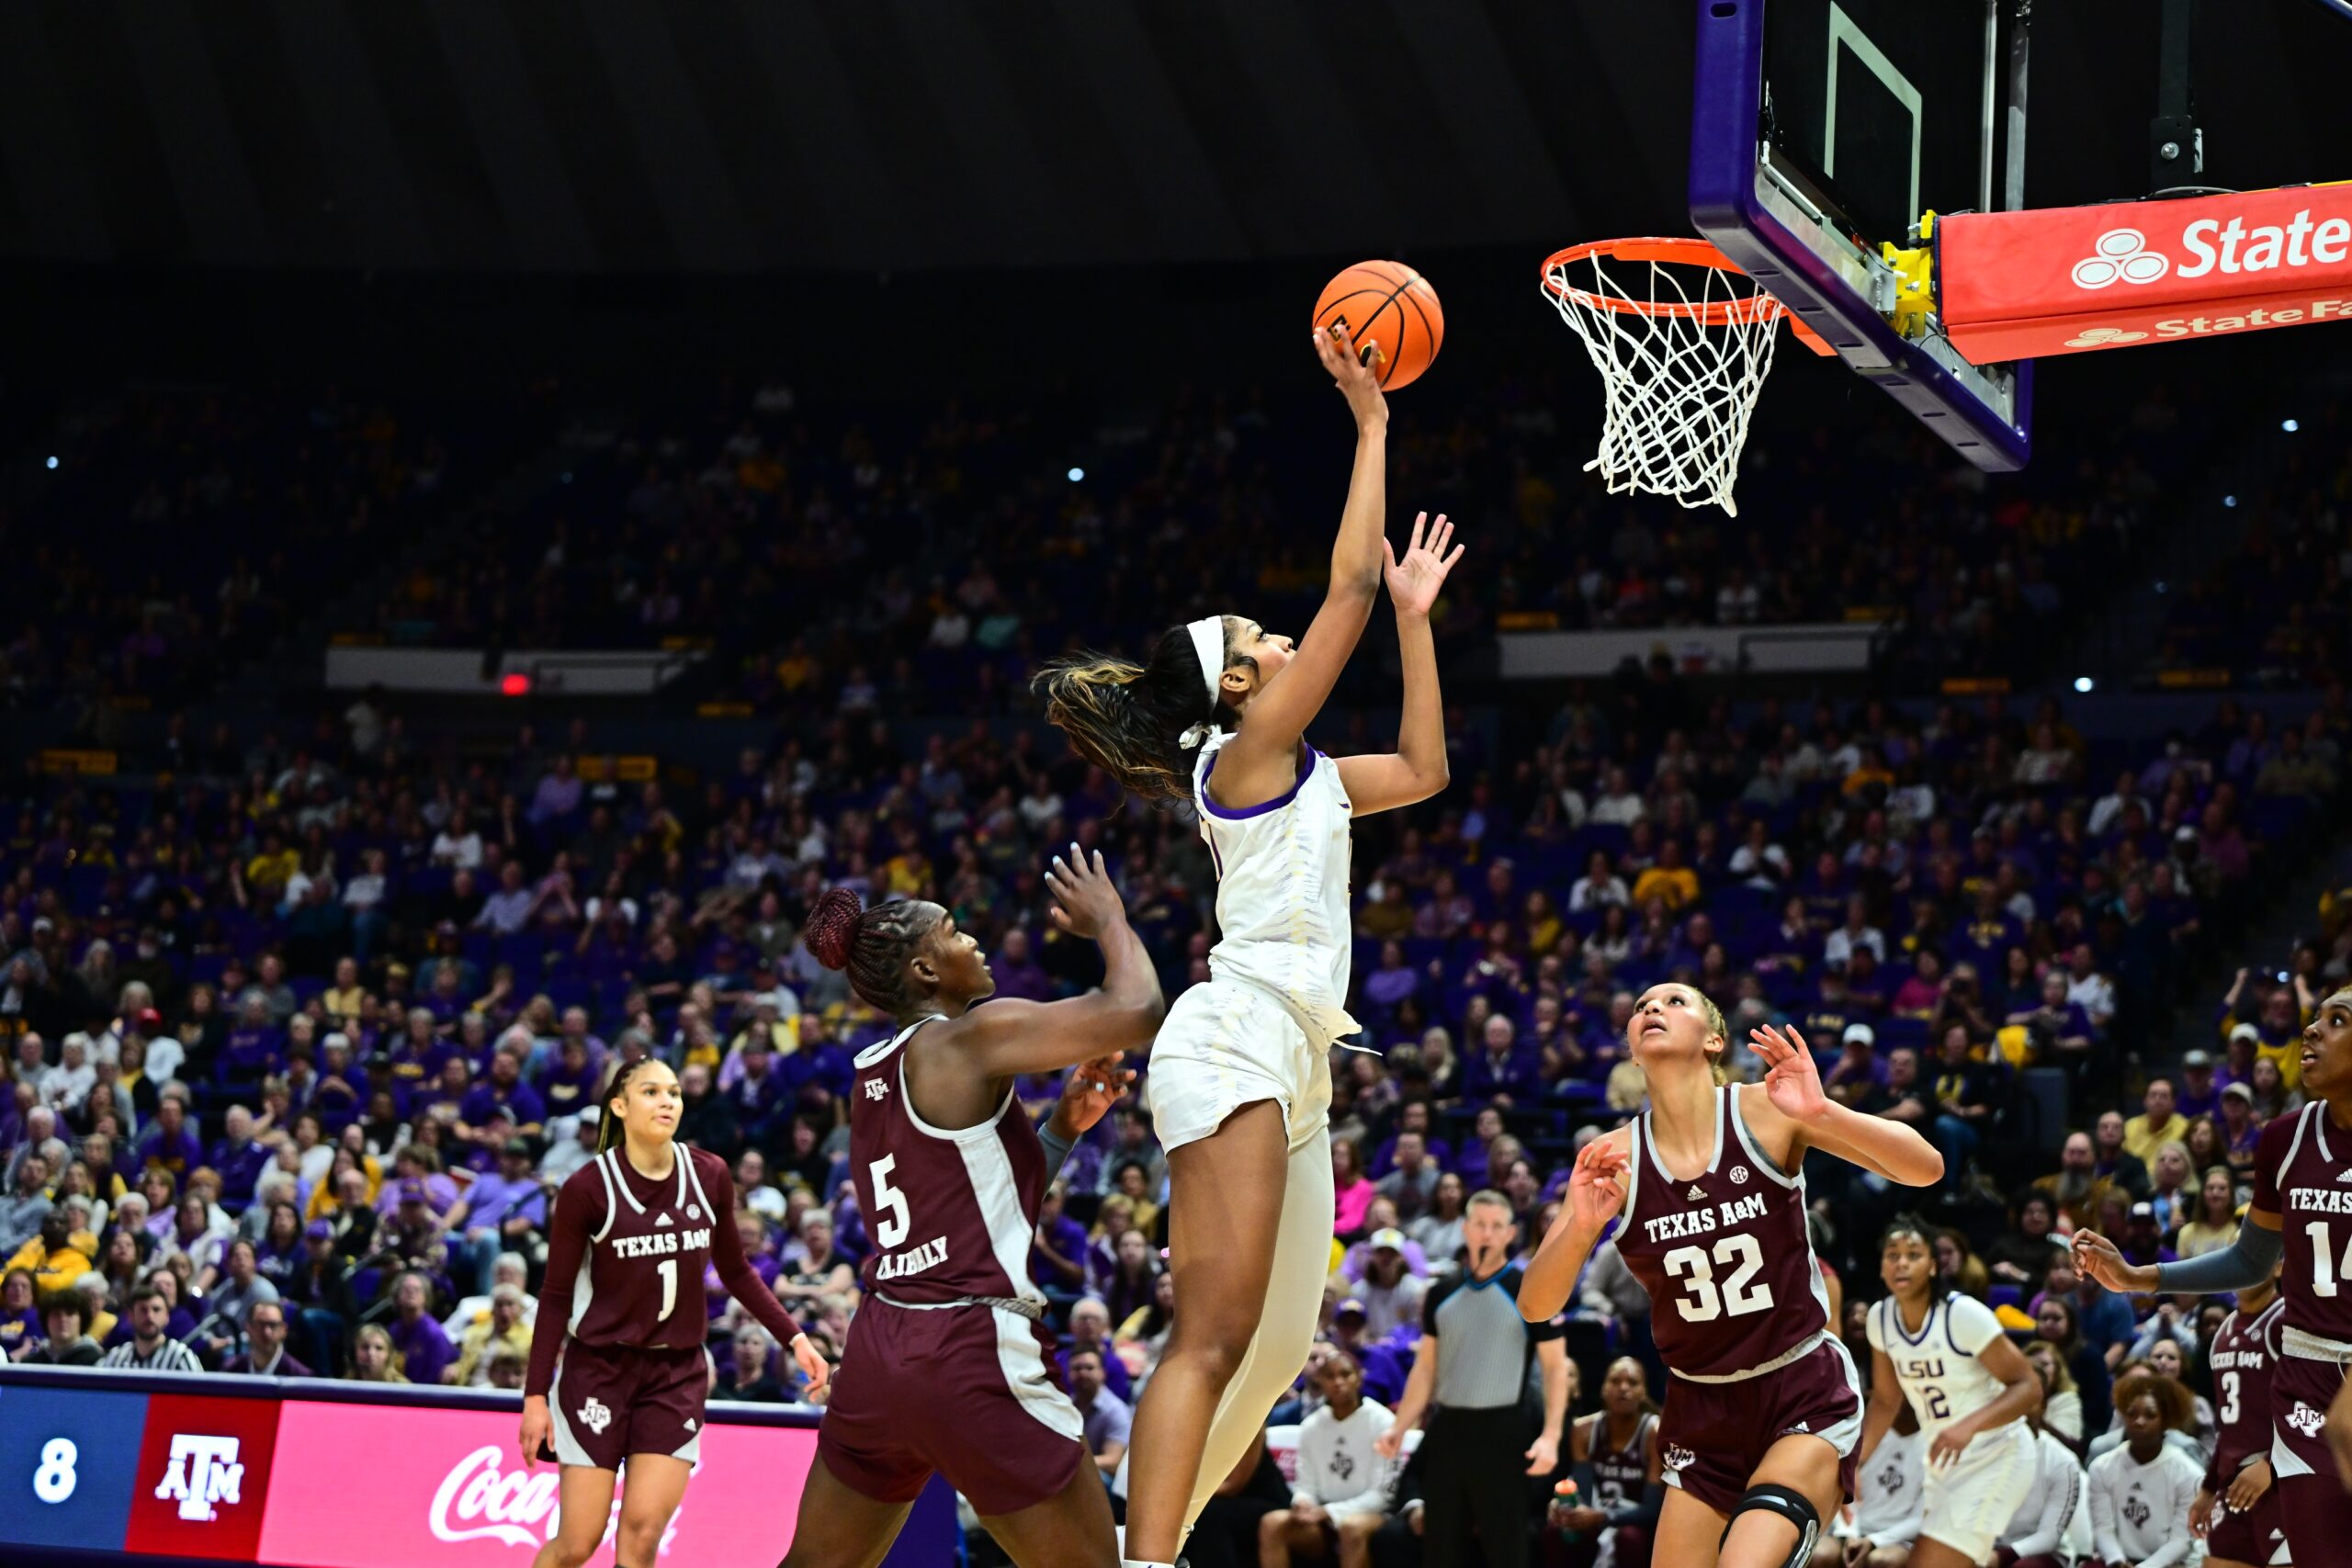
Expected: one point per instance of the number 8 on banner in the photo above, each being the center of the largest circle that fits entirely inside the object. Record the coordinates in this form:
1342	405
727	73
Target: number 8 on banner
54	1482
68	1459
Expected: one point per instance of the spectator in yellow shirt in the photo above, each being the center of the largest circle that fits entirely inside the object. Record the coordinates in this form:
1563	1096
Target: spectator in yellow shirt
52	1258
2162	1124
1669	879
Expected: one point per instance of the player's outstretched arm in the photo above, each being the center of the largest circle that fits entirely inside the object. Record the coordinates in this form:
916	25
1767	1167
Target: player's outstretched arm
1288	703
1418	770
744	1284
1792	1094
1596	1193
1006	1038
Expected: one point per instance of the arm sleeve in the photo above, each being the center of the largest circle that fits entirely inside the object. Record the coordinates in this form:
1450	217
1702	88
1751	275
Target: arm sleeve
1056	1147
2241	1266
568	1233
735	1271
2062	1497
2109	1544
1646	1512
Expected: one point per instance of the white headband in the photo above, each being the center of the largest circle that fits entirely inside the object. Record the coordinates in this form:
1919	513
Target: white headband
1208	643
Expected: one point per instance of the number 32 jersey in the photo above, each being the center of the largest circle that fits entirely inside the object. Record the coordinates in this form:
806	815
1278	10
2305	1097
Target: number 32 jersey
951	1213
1727	1257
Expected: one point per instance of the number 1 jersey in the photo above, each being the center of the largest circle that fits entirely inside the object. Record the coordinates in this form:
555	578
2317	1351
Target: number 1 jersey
952	1212
1726	1256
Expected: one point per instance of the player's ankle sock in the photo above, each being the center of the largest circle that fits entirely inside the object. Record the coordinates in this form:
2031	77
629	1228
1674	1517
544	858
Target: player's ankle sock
1138	1563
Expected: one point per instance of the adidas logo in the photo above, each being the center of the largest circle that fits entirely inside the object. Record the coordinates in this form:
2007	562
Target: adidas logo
662	1221
2344	1175
1800	1426
1697	1193
690	1424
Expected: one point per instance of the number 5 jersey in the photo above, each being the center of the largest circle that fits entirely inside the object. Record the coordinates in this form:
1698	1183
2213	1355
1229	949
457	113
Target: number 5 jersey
951	1211
1726	1256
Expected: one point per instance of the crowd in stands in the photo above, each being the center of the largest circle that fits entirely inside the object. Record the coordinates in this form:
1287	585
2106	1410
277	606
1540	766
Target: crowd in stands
929	560
296	1048
2276	610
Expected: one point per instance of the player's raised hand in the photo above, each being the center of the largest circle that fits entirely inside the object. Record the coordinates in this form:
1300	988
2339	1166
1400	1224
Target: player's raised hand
1091	1089
1792	1080
1415	578
1357	381
1597	1186
1086	901
2102	1261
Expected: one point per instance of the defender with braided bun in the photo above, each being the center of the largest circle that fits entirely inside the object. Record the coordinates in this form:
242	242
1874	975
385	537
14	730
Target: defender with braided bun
1241	1084
618	1372
948	1367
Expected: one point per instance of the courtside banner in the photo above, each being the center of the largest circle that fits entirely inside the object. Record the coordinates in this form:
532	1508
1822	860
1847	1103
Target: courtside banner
361	1487
2068	279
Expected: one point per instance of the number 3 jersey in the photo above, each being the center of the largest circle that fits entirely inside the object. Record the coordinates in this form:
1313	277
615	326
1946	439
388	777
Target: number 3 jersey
1726	1258
951	1213
626	1255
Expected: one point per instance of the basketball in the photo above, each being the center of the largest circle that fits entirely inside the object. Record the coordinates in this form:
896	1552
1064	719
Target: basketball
1392	317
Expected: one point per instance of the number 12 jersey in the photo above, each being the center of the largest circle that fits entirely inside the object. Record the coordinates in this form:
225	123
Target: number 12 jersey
1726	1256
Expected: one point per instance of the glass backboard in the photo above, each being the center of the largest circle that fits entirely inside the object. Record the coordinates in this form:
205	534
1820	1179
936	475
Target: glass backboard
1822	129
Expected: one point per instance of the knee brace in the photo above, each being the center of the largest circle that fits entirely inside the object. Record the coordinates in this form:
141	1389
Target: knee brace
1787	1503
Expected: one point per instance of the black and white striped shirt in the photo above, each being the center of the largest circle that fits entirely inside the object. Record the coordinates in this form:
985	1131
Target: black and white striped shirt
170	1356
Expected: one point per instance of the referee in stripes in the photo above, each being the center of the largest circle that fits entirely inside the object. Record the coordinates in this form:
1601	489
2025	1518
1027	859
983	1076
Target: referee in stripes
1470	1377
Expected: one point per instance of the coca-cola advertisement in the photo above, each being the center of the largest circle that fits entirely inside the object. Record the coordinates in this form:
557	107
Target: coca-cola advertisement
385	1487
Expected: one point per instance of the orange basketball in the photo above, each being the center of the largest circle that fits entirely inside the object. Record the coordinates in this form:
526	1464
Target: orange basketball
1392	317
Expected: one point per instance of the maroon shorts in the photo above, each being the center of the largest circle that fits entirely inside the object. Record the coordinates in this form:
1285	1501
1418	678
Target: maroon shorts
611	1401
967	1392
2247	1538
2312	1503
1713	1434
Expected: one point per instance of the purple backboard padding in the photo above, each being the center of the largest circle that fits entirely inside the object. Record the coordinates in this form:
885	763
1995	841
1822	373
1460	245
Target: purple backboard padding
1726	111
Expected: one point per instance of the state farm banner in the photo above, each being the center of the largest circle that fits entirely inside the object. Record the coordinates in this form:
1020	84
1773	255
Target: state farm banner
2068	279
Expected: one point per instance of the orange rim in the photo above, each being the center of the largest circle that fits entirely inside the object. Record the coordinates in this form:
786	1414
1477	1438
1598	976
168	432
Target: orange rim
1757	307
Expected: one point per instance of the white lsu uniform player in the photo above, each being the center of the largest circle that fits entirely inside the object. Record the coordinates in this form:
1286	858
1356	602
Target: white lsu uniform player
1262	1029
1965	1505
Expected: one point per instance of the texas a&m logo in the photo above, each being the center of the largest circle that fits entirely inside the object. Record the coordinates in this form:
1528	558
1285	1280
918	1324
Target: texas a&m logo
2306	1420
204	1472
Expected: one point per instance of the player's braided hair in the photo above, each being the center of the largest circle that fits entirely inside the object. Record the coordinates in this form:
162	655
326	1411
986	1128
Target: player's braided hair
874	945
609	1125
1129	719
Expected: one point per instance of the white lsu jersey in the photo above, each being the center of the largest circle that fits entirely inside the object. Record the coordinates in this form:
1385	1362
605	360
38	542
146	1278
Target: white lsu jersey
1281	890
1937	1367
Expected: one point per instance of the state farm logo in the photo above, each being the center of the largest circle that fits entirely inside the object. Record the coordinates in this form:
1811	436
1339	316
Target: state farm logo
203	1471
477	1501
2123	257
2103	337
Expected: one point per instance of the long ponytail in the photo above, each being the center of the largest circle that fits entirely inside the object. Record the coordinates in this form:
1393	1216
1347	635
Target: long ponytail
1132	720
608	1123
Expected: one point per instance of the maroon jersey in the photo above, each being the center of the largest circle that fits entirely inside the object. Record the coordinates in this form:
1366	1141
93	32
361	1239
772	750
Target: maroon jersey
951	1213
1726	1258
2243	1352
2302	1173
626	1256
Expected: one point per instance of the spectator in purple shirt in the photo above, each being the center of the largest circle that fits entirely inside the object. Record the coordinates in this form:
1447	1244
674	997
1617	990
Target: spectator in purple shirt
254	1048
422	1345
500	1211
1498	1069
1058	1260
166	1142
1017	971
503	1090
238	1158
2198	1095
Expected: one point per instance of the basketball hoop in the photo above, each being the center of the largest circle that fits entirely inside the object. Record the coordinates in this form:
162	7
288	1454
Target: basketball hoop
1683	341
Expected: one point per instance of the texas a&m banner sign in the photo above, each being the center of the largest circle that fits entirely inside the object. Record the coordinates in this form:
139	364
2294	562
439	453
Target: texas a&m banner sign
2067	279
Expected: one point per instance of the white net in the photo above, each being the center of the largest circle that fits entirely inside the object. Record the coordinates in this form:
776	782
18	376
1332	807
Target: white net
1683	342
